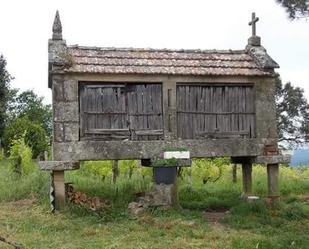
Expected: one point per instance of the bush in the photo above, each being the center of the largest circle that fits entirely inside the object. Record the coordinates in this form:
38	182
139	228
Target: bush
1	154
20	157
145	171
209	170
127	167
101	169
34	135
294	211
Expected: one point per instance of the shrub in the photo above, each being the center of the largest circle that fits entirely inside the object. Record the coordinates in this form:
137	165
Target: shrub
34	135
145	171
102	169
209	170
1	154
127	167
294	211
20	157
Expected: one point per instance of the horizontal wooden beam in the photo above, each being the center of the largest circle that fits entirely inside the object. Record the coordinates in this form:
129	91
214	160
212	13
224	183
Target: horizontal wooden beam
59	165
122	113
148	132
224	133
215	113
103	85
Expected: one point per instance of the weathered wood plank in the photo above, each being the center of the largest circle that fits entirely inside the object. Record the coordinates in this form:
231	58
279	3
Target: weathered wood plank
103	85
214	109
117	106
148	132
107	131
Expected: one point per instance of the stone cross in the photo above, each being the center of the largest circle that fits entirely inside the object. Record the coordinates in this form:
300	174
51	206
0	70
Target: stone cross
253	23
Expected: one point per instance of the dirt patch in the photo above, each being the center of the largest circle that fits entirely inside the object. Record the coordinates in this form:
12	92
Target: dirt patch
215	215
24	202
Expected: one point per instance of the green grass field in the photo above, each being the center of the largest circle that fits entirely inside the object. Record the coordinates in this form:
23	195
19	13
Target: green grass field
25	217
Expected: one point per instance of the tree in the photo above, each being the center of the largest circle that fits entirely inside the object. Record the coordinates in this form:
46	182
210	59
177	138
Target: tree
34	135
5	93
30	105
295	8
292	114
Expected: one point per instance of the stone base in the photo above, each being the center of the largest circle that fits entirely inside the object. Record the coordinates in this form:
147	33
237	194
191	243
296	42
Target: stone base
160	195
254	41
272	201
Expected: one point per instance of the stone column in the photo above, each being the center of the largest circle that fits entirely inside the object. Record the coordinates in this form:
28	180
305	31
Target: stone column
115	170
59	189
273	181
175	196
58	168
247	178
234	173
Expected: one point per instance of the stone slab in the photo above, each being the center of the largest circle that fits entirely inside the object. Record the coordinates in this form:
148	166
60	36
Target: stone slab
273	159
112	150
59	165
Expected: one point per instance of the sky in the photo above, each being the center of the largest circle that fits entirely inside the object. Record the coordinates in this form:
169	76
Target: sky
26	26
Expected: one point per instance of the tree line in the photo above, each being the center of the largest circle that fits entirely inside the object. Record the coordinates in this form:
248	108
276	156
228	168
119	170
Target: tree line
23	115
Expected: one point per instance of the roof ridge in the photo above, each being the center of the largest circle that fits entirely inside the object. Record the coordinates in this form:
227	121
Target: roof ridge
160	58
157	65
131	49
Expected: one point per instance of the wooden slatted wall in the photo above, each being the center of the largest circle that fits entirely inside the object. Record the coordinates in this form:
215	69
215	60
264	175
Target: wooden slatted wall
215	111
121	111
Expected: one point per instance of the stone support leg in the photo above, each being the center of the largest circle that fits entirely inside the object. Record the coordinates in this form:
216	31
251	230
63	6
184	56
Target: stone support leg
247	178
234	173
273	181
59	189
115	170
174	195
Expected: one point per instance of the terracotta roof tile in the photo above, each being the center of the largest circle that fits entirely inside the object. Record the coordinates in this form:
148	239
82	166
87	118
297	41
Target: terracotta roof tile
163	61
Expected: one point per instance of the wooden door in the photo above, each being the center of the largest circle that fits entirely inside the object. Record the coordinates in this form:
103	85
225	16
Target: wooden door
145	111
103	112
208	111
121	111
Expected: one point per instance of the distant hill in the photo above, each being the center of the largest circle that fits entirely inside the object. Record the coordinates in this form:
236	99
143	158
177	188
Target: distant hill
300	158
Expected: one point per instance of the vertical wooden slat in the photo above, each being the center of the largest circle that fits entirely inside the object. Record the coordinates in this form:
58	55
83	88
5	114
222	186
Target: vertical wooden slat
214	109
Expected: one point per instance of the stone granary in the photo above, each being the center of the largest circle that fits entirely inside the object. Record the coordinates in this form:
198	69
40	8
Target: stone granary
128	103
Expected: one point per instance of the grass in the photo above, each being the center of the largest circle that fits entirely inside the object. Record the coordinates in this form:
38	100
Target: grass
25	216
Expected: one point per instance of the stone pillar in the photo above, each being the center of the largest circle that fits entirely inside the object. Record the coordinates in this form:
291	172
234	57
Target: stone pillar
57	177
115	170
247	178
175	197
273	181
234	173
59	189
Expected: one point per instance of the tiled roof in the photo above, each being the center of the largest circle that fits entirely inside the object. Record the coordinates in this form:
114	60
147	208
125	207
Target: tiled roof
163	61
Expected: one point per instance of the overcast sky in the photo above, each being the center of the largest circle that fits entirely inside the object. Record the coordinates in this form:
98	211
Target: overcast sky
26	26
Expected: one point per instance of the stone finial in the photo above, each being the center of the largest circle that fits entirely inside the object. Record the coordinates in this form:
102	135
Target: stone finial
57	27
254	40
